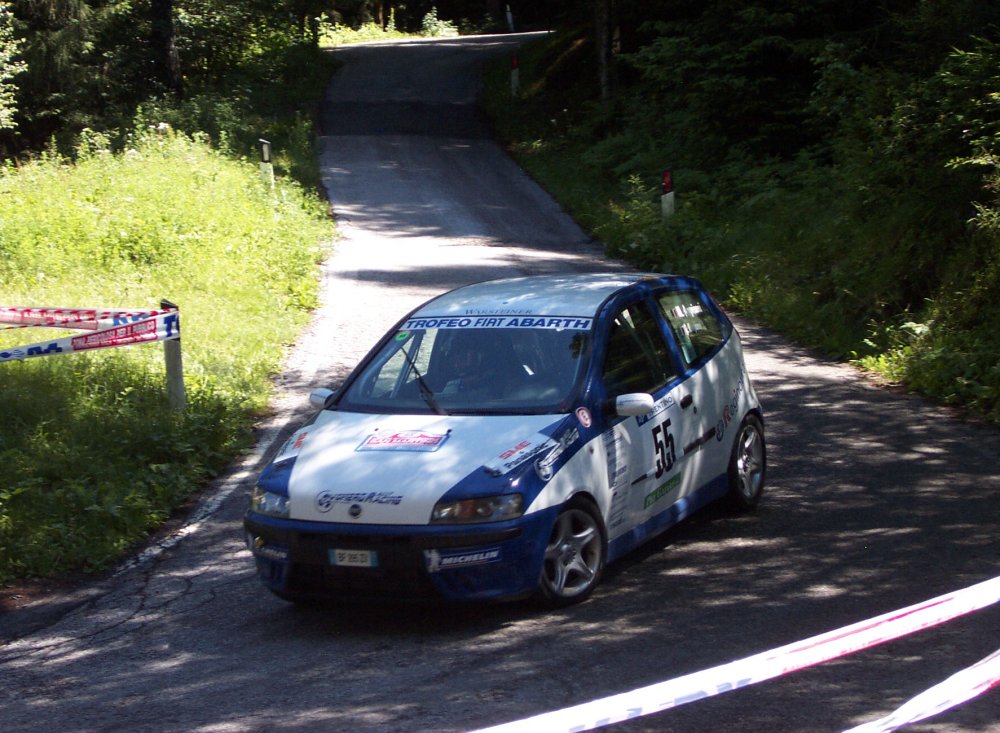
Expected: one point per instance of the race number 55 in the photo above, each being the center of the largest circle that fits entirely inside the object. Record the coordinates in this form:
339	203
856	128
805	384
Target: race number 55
663	444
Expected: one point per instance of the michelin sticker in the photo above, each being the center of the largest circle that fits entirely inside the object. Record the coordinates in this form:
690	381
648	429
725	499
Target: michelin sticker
438	561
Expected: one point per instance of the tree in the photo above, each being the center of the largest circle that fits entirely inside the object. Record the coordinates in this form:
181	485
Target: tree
9	68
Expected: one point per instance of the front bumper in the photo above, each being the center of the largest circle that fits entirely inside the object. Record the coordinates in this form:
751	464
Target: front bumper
454	562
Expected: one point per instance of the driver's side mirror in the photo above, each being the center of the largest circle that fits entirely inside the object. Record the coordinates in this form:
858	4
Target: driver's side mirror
320	396
634	404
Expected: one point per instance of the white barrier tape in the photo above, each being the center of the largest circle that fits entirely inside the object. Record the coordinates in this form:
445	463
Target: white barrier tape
85	318
158	328
957	689
760	667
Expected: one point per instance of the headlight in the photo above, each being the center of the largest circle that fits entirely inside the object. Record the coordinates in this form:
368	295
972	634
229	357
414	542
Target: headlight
268	503
488	509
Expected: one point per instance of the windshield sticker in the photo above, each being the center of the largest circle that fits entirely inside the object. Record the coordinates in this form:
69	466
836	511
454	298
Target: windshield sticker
438	561
558	323
404	440
403	335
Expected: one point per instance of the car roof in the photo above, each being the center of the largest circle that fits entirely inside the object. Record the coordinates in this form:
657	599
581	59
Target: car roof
549	295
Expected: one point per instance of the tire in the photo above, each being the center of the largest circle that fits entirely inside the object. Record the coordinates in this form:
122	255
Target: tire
748	465
574	556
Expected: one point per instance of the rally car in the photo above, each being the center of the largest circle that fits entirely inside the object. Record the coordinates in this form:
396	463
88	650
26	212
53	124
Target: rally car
510	438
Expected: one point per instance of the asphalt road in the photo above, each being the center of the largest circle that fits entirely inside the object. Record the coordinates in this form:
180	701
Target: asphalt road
876	501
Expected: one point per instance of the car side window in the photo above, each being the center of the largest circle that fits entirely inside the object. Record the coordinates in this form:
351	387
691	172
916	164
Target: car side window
696	328
637	359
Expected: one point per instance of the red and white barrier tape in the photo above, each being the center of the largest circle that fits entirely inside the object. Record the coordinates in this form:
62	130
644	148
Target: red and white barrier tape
84	318
764	666
960	687
135	329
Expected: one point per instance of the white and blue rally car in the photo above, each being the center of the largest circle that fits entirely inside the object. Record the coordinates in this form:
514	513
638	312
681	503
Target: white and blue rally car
510	438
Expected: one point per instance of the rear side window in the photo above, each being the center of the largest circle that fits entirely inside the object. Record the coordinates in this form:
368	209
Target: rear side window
637	358
697	330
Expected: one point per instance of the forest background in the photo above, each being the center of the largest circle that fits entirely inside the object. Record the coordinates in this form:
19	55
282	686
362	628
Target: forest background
835	167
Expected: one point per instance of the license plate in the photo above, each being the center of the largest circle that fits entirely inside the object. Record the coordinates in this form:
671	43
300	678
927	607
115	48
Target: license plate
354	558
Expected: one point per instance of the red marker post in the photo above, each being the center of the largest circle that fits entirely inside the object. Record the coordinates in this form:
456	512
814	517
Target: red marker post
667	195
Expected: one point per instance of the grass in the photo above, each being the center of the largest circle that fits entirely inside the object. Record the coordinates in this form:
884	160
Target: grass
93	457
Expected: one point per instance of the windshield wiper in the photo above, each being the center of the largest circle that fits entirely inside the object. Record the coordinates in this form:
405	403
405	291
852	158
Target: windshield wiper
425	391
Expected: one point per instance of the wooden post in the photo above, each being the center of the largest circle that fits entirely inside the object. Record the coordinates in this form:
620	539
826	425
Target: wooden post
176	395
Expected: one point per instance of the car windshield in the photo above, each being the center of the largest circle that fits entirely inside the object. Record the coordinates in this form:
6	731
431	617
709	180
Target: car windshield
472	371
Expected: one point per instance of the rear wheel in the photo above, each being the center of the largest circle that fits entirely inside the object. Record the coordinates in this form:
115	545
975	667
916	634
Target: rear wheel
748	464
574	556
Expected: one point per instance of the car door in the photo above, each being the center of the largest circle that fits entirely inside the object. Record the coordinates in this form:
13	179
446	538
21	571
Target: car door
646	466
712	387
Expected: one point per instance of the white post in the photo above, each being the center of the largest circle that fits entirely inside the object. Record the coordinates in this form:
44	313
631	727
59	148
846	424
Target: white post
515	76
667	198
266	168
667	205
176	394
510	20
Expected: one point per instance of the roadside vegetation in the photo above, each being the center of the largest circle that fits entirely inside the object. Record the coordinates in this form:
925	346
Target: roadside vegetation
155	196
835	171
93	458
128	175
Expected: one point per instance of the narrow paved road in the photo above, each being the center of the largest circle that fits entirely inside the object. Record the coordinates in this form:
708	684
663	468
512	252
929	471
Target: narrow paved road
876	501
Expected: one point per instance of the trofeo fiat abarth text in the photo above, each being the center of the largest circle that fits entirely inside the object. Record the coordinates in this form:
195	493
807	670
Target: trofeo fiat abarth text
510	438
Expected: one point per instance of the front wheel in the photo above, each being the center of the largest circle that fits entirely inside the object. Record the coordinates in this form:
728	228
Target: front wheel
574	556
748	464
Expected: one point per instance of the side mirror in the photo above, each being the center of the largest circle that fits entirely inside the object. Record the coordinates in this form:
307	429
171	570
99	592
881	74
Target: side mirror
320	396
634	404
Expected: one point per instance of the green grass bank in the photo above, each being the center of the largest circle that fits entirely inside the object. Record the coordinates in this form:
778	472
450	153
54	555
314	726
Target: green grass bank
93	457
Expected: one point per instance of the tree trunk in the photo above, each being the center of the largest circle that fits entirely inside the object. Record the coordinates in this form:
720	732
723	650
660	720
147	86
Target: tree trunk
602	41
166	63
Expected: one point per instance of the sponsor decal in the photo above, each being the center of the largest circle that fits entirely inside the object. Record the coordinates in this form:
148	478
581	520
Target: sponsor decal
327	500
584	416
618	469
438	561
729	411
405	440
291	448
658	493
517	454
659	406
543	466
574	323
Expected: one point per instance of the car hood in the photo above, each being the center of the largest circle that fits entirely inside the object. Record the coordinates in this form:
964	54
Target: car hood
362	468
